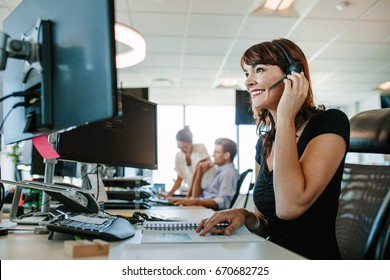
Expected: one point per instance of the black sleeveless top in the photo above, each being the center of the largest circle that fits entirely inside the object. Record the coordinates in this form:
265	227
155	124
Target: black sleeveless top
311	235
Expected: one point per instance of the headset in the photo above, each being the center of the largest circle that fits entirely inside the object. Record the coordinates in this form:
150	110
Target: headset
292	65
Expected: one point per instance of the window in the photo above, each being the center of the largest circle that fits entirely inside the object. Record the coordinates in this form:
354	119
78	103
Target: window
207	123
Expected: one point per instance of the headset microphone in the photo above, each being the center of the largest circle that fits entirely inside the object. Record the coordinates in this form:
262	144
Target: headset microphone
278	82
292	66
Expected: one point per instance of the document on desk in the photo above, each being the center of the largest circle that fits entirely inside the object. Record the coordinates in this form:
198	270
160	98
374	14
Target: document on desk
184	232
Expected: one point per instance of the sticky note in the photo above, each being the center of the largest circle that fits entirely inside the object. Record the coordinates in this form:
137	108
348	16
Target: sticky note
45	149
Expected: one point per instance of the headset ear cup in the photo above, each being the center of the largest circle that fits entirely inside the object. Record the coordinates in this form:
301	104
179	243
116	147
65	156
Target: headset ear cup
294	66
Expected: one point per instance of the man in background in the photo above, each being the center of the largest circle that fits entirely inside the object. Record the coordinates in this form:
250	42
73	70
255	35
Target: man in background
218	193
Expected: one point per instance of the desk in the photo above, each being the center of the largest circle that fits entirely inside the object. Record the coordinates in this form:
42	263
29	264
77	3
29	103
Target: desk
28	246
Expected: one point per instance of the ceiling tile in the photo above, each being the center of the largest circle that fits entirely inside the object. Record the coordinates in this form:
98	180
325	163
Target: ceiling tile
328	9
159	24
346	50
380	11
208	46
266	27
164	44
156	6
202	61
221	7
199	73
213	26
161	60
367	31
319	29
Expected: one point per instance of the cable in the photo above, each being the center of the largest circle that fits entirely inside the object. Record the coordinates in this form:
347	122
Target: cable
34	210
97	182
89	172
19	104
18	94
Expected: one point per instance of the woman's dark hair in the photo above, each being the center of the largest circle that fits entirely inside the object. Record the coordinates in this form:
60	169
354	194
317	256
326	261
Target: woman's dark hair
270	53
184	135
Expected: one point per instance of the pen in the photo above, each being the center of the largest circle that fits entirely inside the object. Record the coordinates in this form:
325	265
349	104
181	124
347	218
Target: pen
222	225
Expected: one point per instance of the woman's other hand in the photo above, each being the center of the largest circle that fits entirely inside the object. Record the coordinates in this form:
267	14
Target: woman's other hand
295	93
234	217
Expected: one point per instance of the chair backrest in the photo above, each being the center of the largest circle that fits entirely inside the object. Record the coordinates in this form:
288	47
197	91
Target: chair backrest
363	214
377	246
240	181
362	193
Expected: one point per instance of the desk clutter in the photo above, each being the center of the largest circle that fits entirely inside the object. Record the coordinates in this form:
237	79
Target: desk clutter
131	193
119	193
184	232
86	248
93	225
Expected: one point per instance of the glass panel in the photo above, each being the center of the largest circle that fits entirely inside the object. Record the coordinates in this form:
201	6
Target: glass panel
169	122
208	123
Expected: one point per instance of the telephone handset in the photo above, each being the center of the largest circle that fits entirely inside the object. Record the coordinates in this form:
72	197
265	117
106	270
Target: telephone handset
75	200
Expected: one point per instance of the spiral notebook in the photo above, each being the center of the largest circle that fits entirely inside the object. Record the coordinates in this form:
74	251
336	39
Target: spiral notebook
184	232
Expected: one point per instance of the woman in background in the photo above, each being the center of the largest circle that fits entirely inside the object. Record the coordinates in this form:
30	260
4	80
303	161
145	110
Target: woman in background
187	160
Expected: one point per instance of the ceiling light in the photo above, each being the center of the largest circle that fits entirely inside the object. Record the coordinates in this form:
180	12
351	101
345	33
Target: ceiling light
226	83
342	5
284	8
278	4
162	82
132	38
384	86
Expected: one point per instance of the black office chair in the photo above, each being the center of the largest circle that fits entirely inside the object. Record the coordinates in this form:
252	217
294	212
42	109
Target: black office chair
377	246
239	184
362	222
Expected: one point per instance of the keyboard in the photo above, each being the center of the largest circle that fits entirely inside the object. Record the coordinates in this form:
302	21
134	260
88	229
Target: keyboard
160	201
122	204
129	195
94	225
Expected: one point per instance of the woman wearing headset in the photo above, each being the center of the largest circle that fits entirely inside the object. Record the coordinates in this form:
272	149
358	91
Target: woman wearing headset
300	155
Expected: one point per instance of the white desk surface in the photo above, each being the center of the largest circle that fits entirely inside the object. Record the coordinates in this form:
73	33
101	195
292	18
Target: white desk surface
28	246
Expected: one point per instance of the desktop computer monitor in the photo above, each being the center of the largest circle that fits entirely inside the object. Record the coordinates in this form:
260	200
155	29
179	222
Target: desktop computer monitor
137	92
244	114
61	65
385	101
127	141
61	169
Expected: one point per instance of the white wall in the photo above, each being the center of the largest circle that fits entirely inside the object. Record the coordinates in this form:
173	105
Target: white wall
6	165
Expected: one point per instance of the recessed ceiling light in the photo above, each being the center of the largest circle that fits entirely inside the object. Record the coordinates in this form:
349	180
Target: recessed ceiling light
384	86
136	43
342	5
278	4
226	83
275	8
162	82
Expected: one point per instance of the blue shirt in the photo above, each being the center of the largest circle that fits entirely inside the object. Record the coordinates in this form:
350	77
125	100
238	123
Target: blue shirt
222	186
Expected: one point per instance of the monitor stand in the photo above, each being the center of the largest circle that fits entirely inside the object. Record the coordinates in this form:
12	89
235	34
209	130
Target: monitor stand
48	178
42	216
49	174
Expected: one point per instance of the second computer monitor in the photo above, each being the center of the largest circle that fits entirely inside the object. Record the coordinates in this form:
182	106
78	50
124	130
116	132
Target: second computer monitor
129	140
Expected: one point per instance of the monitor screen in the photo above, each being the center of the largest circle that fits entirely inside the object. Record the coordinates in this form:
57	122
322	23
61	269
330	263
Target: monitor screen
128	141
61	169
244	114
137	92
74	80
385	101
